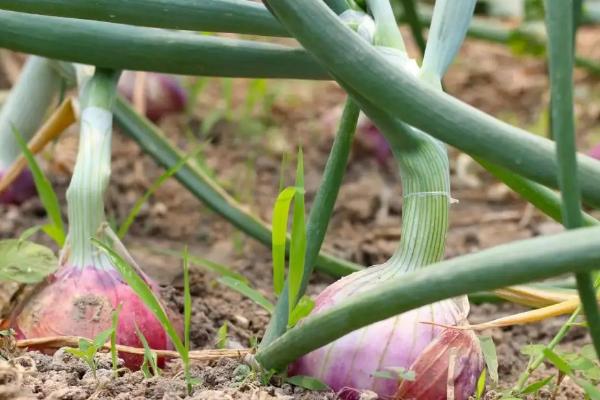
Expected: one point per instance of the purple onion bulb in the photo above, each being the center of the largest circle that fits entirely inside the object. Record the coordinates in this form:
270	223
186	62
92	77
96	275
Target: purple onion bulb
20	190
410	340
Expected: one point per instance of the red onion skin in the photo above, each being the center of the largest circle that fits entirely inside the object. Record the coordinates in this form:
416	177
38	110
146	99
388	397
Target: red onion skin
164	94
434	364
348	364
595	152
22	189
80	302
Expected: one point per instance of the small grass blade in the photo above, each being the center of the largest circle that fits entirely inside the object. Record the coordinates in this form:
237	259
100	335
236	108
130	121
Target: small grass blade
280	222
204	263
187	300
537	385
144	292
560	363
45	191
113	338
150	358
480	388
247	291
298	241
124	228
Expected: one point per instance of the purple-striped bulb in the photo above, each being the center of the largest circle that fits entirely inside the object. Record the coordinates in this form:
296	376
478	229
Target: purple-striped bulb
80	302
20	190
414	341
163	93
595	152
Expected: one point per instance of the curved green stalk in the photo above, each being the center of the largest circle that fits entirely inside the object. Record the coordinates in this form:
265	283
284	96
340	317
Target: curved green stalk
320	214
544	199
235	16
85	195
120	46
543	257
360	66
559	18
204	188
26	106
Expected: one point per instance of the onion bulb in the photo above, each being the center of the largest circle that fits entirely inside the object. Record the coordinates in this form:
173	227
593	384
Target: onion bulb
415	340
81	301
595	152
20	190
163	93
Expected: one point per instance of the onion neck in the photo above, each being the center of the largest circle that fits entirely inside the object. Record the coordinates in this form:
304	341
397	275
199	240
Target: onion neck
85	195
26	106
424	173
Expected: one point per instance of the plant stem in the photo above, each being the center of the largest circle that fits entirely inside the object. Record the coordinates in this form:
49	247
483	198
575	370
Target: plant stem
524	377
26	106
205	188
544	199
560	46
386	29
235	16
120	46
505	265
320	214
85	195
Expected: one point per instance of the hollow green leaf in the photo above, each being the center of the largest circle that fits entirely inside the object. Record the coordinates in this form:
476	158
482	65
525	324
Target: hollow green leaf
247	291
25	262
235	16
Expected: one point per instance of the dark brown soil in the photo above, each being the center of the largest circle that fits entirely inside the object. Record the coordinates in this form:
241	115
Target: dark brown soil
365	227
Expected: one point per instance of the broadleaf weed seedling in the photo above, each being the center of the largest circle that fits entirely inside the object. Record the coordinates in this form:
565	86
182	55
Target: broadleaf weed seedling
88	349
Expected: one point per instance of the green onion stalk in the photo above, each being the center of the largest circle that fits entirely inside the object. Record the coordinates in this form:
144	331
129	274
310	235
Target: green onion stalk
79	299
417	340
22	114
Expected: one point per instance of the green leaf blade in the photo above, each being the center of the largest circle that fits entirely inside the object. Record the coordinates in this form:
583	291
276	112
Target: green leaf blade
45	191
25	262
279	236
